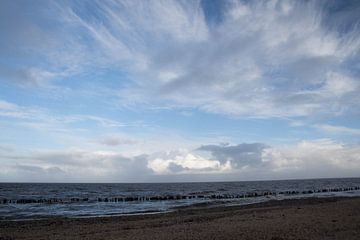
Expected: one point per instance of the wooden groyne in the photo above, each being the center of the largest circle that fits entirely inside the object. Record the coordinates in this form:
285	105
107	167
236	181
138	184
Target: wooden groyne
171	197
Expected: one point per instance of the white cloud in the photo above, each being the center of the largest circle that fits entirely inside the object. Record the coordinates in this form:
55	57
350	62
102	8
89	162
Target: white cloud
36	117
339	84
338	129
11	110
318	158
183	161
263	59
73	165
268	60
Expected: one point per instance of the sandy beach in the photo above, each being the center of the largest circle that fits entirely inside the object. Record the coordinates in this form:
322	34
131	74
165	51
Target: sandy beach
326	218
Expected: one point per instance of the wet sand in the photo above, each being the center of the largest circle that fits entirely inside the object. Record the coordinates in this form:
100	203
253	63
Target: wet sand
326	218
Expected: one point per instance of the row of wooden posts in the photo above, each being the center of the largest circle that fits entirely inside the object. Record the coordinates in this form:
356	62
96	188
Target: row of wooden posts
171	197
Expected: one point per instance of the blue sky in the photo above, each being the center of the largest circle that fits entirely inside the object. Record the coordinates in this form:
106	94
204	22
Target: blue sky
138	91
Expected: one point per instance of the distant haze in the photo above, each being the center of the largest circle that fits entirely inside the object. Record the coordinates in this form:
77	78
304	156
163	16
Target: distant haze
159	91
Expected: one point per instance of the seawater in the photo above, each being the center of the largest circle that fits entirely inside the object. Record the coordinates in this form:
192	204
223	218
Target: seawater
44	200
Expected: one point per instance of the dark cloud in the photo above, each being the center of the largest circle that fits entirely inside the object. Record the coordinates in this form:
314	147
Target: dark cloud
134	169
239	155
29	168
116	141
175	168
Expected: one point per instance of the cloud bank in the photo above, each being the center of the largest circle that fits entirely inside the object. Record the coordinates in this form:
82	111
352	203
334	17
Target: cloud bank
247	161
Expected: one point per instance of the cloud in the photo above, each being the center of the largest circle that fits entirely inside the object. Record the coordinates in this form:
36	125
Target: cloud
35	170
186	162
246	161
74	165
239	155
338	129
317	158
42	118
6	148
259	59
175	168
8	109
116	141
76	39
26	76
35	54
263	60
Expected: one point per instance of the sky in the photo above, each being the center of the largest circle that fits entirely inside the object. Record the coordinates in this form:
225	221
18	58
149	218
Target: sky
172	91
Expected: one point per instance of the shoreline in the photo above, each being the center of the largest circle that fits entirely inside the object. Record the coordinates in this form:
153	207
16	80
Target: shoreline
220	203
285	219
215	201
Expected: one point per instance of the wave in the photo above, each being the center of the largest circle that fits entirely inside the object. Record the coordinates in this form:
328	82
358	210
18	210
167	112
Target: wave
204	195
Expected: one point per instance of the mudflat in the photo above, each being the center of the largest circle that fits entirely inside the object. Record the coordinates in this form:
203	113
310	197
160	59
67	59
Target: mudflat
312	218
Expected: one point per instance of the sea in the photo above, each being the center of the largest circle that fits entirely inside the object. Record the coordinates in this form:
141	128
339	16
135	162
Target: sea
21	201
